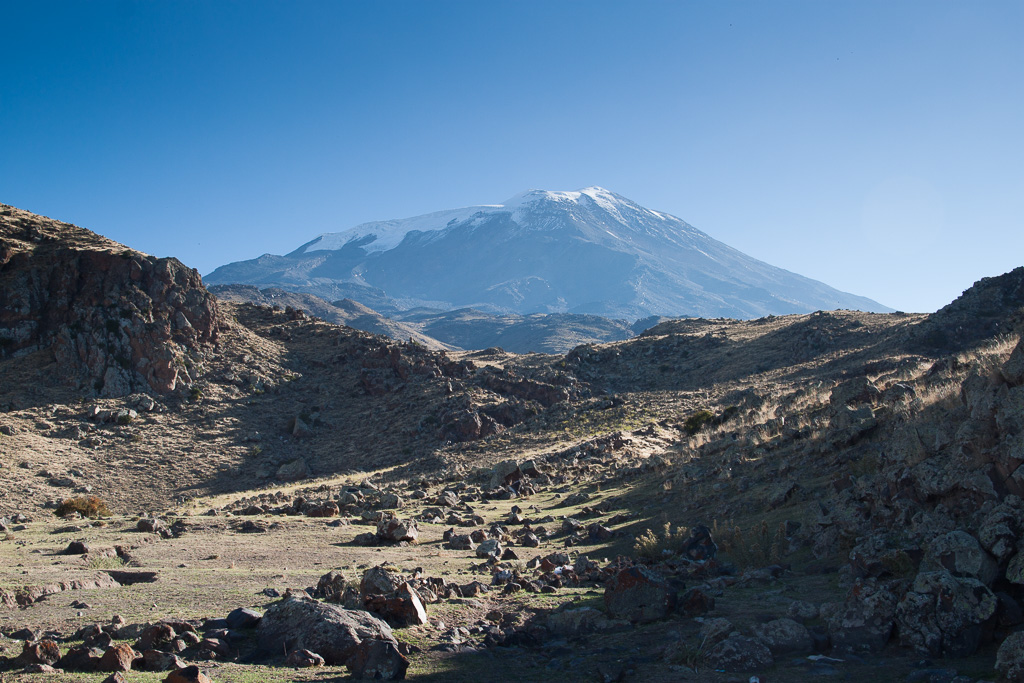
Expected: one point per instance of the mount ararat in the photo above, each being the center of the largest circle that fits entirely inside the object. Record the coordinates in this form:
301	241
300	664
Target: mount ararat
591	251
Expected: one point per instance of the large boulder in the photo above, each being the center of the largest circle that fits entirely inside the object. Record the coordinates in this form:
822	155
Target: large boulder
332	632
638	594
1010	658
943	614
864	621
960	554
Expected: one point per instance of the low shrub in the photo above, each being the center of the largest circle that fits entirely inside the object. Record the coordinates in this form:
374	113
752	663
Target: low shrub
92	507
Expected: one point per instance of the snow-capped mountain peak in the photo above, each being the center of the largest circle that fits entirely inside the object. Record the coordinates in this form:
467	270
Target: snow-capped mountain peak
586	251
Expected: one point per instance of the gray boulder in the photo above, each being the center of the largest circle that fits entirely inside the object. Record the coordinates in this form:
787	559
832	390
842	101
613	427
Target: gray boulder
943	614
1010	658
864	621
332	632
489	548
960	554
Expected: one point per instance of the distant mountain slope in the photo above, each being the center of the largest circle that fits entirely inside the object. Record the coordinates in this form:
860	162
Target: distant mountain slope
461	329
543	333
343	312
590	251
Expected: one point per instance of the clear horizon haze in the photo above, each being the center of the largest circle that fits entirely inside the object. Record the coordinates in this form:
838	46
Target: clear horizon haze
875	146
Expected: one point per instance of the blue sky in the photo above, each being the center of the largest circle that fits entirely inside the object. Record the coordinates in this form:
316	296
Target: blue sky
877	146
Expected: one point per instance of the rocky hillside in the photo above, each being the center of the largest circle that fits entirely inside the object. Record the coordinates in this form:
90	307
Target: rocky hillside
115	320
834	494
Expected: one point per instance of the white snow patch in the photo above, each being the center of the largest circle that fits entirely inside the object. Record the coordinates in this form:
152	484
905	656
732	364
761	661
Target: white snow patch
387	235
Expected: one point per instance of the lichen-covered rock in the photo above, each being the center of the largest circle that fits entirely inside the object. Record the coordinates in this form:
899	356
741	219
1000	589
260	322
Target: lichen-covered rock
864	621
638	594
960	554
784	636
332	632
1010	658
1000	529
740	654
943	614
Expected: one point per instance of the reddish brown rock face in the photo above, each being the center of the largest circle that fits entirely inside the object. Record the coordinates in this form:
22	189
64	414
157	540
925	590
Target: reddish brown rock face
115	320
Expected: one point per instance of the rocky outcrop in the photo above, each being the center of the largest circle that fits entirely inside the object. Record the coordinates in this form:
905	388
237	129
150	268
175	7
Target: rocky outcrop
116	320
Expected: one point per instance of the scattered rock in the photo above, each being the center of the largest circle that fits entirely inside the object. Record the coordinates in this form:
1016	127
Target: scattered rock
739	654
118	658
243	617
784	637
190	674
303	659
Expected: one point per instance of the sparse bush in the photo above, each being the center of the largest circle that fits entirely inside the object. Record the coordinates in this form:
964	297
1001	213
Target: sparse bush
693	657
697	421
654	546
87	506
757	547
195	394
